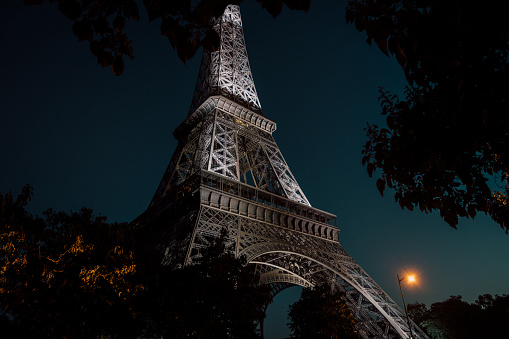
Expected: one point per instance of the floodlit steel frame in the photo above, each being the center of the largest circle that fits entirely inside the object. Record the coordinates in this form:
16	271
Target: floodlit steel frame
228	163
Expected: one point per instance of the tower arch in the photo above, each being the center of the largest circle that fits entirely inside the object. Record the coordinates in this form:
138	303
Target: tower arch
291	264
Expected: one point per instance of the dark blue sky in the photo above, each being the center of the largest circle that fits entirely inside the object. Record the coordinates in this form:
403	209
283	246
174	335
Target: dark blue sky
83	137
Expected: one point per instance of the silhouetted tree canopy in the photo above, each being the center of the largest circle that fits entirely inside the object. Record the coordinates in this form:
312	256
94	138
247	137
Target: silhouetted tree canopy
321	313
66	274
75	275
446	143
217	298
416	312
454	318
184	22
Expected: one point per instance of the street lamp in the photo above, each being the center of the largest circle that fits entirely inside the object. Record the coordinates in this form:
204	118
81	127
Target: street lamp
410	278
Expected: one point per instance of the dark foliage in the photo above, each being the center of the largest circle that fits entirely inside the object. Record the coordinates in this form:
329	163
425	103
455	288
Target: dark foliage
184	22
446	145
217	298
74	275
416	312
454	318
64	275
321	313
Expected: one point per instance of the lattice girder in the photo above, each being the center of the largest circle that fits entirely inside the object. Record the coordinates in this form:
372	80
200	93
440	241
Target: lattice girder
276	275
300	264
285	176
227	72
224	155
228	173
299	255
227	139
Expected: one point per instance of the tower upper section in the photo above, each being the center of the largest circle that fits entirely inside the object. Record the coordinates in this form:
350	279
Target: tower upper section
226	71
225	132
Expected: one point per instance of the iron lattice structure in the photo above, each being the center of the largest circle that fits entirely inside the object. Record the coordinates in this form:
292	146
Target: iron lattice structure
228	172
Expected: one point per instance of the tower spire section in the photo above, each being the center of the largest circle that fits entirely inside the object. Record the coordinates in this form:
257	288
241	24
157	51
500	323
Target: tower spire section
226	71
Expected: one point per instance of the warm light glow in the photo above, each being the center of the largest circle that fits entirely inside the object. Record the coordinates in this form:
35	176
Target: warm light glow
410	278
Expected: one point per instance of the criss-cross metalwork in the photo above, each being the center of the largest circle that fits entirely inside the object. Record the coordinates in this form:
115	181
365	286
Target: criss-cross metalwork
228	173
226	71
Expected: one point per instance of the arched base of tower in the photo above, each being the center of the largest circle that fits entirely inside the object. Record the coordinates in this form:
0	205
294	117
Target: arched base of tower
291	244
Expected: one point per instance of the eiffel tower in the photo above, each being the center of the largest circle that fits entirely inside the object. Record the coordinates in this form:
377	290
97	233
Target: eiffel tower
228	173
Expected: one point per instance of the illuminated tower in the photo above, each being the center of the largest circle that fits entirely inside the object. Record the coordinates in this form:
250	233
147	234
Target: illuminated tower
228	173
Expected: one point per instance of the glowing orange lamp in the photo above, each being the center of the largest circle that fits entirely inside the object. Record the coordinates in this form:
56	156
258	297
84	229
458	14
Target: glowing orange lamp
410	278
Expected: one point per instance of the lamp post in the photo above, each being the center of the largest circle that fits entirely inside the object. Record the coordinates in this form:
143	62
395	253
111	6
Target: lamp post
411	279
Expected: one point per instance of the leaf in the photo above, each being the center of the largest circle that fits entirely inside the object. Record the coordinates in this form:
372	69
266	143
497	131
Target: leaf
105	58
101	25
370	169
401	203
349	16
211	41
119	23
153	9
450	217
170	28
118	66
364	159
381	41
218	8
274	7
70	8
380	184
95	47
390	122
302	5
126	49
83	30
131	11
400	54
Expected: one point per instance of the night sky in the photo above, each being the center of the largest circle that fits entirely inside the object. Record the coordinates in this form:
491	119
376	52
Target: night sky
83	137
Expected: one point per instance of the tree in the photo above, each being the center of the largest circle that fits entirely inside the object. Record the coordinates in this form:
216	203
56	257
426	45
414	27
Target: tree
74	275
494	315
452	318
219	297
184	22
485	301
445	146
64	275
455	318
321	313
417	312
